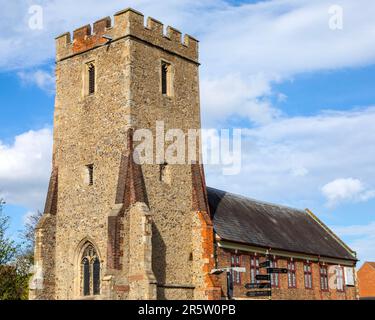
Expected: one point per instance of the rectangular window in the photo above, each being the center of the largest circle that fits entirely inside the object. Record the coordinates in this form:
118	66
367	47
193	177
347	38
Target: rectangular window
274	276
164	173
91	78
90	174
349	276
292	282
166	79
323	278
307	270
254	268
236	262
340	278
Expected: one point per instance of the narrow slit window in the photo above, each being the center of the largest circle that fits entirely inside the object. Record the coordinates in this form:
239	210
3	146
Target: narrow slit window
90	174
163	172
91	78
165	78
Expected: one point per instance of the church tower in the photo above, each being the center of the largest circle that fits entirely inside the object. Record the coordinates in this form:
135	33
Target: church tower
114	228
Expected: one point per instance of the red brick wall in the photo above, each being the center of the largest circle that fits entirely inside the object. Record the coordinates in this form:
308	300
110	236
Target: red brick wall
366	281
283	292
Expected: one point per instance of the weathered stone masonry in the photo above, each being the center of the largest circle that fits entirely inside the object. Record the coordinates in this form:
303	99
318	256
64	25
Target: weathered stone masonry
133	220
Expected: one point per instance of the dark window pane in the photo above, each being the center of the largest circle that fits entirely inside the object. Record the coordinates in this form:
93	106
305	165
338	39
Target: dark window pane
90	172
96	276
164	78
86	277
91	79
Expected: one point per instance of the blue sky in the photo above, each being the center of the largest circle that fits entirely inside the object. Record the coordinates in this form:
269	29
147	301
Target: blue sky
25	107
334	90
303	93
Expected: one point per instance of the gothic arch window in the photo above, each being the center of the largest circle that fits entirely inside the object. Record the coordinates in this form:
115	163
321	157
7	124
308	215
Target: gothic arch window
90	271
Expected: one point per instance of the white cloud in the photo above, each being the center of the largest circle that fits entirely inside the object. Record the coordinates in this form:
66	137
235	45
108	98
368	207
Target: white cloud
232	95
289	36
289	159
22	47
42	79
346	189
356	230
244	48
361	239
27	217
25	168
278	39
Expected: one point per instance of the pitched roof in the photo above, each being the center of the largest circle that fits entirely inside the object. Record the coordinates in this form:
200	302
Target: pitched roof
372	264
240	219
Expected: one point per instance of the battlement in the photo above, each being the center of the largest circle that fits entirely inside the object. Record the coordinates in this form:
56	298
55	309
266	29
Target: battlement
128	22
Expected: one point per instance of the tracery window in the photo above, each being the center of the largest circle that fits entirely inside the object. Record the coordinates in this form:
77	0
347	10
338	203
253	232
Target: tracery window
90	272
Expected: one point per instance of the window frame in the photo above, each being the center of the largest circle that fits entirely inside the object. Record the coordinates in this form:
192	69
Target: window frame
341	277
323	278
91	79
254	267
308	273
293	273
89	178
236	261
164	173
91	271
96	270
275	278
86	276
86	93
169	79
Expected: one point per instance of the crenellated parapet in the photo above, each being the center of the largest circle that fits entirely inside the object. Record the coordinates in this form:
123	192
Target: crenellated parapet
126	23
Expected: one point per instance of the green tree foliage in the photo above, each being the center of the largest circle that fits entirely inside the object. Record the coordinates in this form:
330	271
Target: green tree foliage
14	271
8	249
13	284
28	236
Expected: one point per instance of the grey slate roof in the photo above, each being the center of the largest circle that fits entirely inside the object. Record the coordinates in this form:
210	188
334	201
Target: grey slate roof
240	219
